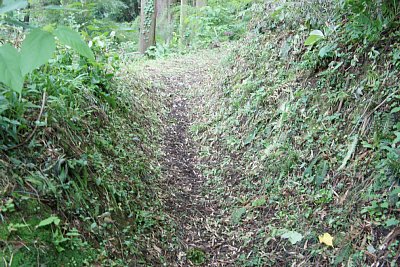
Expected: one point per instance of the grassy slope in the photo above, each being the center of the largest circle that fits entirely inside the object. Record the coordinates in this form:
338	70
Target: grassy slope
92	164
308	143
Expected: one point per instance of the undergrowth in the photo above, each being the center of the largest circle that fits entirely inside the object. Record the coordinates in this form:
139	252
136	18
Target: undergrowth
305	139
205	27
78	159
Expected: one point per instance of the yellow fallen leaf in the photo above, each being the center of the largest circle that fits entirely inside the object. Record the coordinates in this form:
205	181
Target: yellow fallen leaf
327	239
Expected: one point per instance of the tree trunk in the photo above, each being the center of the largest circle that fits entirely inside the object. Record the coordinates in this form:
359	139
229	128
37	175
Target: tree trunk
171	4
27	16
136	8
182	23
169	11
170	20
162	7
201	3
147	25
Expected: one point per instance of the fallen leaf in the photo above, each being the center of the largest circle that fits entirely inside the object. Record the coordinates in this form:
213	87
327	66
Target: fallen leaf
326	239
293	237
237	215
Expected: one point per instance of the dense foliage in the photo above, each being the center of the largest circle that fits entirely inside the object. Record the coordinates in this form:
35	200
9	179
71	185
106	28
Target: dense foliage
205	27
78	144
300	136
309	121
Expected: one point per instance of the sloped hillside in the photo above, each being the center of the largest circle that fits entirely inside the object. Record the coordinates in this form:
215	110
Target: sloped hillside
303	135
78	189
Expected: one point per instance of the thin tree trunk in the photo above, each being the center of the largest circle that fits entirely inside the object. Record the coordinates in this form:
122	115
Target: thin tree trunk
170	20
27	16
162	7
147	25
182	31
169	11
136	8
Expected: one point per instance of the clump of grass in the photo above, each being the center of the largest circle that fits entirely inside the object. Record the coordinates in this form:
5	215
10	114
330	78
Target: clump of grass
196	256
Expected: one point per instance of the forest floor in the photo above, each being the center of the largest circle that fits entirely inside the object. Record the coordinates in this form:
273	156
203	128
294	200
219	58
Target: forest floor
202	235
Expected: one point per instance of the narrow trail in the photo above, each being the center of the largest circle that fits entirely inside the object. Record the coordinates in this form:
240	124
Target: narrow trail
187	197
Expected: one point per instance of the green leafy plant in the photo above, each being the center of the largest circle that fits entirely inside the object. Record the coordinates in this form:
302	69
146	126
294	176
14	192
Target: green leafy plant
293	237
196	256
237	215
15	65
8	206
314	37
14	227
51	220
259	202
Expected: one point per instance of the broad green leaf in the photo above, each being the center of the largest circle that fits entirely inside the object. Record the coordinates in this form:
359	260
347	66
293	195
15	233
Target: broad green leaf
237	215
314	37
259	202
73	39
327	50
3	104
392	222
385	205
48	221
395	110
352	149
322	171
10	72
293	237
10	5
36	50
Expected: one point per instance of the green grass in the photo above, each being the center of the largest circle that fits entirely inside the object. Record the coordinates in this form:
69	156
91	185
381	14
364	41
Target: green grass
25	244
196	256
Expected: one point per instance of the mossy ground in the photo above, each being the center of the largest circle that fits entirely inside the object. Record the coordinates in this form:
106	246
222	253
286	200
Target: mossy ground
22	243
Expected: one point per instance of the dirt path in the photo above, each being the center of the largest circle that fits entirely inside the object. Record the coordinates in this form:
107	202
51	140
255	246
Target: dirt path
188	200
